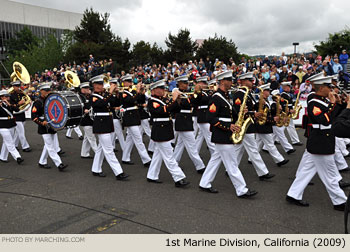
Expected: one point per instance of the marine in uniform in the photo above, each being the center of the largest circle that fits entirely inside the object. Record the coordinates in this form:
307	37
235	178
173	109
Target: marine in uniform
184	125
321	147
89	141
103	127
16	98
48	134
264	132
7	128
201	109
279	131
291	127
249	143
221	116
118	129
162	134
132	121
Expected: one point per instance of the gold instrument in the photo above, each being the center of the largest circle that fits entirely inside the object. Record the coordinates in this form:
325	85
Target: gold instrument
237	137
263	118
72	79
279	113
20	73
297	107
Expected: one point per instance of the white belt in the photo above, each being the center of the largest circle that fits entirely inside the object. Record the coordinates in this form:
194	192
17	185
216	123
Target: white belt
131	108
321	127
185	111
203	107
161	119
5	118
102	114
225	119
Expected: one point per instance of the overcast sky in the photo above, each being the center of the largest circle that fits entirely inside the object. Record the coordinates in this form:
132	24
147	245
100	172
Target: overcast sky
257	27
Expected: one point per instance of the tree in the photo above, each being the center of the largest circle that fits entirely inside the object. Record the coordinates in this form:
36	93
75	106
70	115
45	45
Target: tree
94	27
218	47
335	43
22	40
144	53
180	47
46	55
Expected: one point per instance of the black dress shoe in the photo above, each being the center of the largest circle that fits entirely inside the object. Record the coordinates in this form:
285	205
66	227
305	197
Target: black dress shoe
97	174
181	183
44	166
291	151
150	153
276	142
62	166
4	161
69	137
173	145
298	144
345	170
201	171
27	149
81	138
282	162
122	176
265	150
128	162
266	176
340	207
297	202
20	160
248	194
343	184
249	162
115	150
209	190
88	157
61	152
156	181
147	164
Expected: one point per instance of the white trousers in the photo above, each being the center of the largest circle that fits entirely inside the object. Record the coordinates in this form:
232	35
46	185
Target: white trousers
118	133
76	129
292	132
8	144
56	143
281	138
204	133
134	137
164	152
105	149
49	150
20	135
250	145
186	140
340	143
267	141
223	153
195	126
89	142
175	133
145	127
326	169
339	158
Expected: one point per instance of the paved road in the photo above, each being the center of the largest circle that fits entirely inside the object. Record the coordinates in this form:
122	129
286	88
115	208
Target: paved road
34	200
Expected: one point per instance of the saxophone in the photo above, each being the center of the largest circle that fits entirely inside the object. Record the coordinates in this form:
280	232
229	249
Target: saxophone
279	113
237	137
262	120
286	117
297	107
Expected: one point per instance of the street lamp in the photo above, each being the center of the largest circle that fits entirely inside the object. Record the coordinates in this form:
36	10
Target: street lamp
295	44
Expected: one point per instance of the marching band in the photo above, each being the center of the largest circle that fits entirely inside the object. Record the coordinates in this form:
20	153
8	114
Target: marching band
229	120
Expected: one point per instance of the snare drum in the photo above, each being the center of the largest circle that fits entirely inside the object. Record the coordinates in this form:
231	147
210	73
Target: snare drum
63	109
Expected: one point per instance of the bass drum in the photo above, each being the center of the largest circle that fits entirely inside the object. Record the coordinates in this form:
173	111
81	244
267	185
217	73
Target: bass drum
63	109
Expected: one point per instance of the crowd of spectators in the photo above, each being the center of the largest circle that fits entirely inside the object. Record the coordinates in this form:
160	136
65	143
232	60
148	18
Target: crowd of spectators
274	70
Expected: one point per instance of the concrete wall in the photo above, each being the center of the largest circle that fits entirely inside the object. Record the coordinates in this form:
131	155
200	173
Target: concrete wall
33	15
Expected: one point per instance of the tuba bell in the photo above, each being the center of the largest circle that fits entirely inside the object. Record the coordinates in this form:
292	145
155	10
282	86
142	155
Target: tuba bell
20	73
72	79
